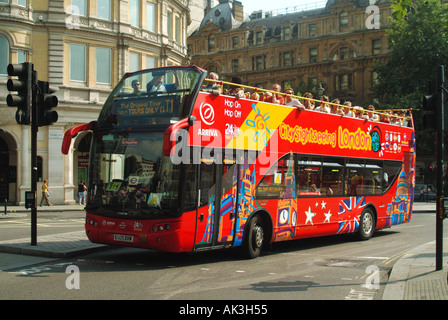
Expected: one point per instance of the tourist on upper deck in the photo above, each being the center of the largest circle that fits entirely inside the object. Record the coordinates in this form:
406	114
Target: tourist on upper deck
323	107
372	116
308	104
292	102
359	113
335	107
213	87
348	109
276	98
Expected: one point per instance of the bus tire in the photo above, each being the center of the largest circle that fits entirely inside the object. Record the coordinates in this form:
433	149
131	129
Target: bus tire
366	224
255	237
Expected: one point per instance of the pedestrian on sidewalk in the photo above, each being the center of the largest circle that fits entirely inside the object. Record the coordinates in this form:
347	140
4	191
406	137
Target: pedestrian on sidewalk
45	193
82	192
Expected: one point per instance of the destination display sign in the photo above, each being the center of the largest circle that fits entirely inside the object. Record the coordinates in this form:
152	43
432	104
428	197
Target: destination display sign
164	106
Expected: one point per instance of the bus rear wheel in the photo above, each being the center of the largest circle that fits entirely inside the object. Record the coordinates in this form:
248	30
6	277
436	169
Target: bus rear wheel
366	224
255	237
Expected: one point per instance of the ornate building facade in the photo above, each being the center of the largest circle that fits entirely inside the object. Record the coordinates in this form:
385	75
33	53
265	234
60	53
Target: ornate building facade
83	47
331	48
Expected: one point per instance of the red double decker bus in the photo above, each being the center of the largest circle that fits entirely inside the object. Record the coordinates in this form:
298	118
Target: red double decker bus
180	169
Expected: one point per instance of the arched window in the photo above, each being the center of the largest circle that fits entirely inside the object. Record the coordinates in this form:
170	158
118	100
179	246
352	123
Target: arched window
344	53
4	55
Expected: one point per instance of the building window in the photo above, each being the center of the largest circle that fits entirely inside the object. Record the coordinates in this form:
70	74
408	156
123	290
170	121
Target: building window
103	9
258	63
134	61
287	33
313	55
21	56
151	16
4	55
376	47
77	62
135	13
211	42
285	59
344	53
343	21
312	29
235	65
344	82
21	3
169	24
150	62
177	28
103	65
258	37
79	7
234	42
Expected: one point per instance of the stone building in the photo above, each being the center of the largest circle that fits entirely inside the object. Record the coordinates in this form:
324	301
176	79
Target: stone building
83	47
332	48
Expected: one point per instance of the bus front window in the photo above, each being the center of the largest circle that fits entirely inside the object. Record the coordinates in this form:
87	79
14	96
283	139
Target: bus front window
130	176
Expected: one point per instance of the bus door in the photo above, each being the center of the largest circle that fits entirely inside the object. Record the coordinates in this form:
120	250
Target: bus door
216	216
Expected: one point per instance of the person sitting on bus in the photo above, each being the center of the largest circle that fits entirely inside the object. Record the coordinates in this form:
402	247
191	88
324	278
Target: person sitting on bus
402	121
372	116
292	102
384	117
213	87
136	87
323	107
359	113
335	108
276	98
348	109
155	85
326	191
308	104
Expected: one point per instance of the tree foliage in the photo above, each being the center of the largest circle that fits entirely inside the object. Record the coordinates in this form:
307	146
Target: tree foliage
418	41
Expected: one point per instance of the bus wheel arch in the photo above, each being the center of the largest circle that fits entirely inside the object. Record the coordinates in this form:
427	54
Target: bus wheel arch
258	233
367	223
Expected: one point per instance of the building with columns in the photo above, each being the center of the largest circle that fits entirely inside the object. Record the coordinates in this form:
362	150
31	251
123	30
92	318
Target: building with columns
83	47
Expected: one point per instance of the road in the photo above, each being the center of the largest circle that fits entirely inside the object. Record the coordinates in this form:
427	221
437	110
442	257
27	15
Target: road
333	268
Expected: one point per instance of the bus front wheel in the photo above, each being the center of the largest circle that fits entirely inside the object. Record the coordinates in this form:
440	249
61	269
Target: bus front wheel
366	224
255	237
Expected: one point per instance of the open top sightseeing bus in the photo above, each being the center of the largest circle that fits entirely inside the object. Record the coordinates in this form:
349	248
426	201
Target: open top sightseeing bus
174	167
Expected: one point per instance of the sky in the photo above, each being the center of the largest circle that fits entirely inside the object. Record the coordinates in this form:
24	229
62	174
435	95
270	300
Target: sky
268	5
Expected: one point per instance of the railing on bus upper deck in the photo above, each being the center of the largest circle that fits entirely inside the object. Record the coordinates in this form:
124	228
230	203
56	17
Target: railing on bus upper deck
254	93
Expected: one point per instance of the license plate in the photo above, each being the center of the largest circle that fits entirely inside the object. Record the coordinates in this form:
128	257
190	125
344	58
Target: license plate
123	237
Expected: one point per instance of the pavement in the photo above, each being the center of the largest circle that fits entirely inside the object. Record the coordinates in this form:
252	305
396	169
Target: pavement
413	276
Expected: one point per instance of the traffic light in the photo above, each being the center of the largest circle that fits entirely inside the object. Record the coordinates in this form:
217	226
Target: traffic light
46	101
24	87
431	106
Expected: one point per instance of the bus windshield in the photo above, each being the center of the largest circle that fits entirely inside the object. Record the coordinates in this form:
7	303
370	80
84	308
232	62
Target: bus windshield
129	175
151	97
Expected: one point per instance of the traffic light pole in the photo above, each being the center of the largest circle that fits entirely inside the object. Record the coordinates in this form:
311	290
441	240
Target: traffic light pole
441	127
34	129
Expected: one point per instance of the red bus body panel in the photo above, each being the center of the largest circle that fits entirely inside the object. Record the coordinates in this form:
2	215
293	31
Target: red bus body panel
274	130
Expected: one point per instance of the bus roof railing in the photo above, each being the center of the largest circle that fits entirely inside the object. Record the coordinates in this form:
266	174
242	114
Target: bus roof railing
384	112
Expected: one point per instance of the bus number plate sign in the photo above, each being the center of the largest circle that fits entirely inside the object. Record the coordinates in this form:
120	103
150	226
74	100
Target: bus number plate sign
123	237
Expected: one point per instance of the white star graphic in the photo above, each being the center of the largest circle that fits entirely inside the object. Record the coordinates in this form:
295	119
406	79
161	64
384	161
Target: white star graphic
323	204
327	216
309	216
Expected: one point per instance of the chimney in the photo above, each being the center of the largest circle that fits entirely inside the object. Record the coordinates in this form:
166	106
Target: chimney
238	12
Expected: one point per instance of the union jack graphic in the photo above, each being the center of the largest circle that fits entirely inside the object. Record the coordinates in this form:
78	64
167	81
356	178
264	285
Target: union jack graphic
349	212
